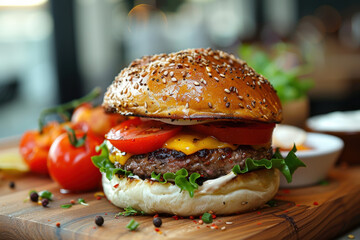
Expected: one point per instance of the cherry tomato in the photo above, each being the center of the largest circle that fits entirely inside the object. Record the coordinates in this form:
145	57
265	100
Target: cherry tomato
99	121
238	133
71	166
34	146
137	137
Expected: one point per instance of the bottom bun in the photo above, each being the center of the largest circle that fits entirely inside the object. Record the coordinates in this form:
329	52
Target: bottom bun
237	194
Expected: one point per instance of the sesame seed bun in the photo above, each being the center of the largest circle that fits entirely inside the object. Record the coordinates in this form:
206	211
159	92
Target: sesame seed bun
193	84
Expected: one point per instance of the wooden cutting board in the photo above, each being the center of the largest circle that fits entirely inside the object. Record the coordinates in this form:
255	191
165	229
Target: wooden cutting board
317	212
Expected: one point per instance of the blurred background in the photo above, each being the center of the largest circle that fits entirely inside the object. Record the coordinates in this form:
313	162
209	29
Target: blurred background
52	51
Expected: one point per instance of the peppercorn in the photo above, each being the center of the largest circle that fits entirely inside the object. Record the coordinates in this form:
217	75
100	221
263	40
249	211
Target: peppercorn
44	202
99	220
12	185
157	222
34	196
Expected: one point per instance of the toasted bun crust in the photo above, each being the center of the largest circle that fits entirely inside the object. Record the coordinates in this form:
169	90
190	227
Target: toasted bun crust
243	193
193	84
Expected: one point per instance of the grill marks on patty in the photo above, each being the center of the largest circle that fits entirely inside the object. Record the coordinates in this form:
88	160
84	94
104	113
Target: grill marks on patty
210	163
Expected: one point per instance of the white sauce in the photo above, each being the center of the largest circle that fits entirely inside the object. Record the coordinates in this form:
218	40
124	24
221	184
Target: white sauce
336	121
211	186
285	136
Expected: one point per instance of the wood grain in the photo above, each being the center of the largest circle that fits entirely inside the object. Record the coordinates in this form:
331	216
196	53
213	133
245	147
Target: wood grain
295	217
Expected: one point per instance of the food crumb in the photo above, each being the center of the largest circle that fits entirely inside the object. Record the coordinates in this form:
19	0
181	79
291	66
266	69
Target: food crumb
229	223
223	228
12	185
98	198
350	236
72	201
316	203
259	223
201	222
58	224
285	211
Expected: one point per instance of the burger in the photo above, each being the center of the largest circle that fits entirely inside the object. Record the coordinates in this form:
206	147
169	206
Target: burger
198	138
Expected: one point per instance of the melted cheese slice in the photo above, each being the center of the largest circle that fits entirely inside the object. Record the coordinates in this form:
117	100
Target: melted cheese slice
187	143
191	143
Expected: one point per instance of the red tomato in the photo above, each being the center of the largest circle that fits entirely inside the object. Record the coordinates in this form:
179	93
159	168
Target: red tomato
99	121
70	166
34	147
137	137
238	133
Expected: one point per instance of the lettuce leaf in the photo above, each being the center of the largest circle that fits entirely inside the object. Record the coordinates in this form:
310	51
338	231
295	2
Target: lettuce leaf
287	165
104	164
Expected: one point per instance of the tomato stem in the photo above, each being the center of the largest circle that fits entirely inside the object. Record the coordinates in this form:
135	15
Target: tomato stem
63	108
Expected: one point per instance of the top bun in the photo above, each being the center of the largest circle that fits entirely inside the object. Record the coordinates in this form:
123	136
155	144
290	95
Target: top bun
193	84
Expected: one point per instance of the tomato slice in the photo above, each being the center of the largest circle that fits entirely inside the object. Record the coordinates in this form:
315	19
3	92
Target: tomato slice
136	136
238	133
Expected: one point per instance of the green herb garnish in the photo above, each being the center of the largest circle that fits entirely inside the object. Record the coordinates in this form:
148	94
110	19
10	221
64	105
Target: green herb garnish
272	203
76	142
207	218
66	206
286	165
132	225
324	182
46	194
129	211
82	202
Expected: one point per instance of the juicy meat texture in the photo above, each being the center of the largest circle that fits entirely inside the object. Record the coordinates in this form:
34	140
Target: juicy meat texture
211	163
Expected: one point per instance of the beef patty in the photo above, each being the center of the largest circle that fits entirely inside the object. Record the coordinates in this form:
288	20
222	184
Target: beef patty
210	163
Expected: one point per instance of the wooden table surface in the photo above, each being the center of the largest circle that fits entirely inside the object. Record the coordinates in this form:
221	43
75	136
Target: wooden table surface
316	212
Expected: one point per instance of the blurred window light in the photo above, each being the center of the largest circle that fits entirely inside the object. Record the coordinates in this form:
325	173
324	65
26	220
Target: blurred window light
22	3
281	15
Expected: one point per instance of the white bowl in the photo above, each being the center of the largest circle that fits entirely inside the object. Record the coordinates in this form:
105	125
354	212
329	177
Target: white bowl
325	150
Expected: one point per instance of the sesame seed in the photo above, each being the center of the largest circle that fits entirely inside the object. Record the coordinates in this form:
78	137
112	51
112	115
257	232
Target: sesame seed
208	69
244	203
216	57
240	97
264	100
209	74
253	103
174	79
210	105
227	104
222	75
223	228
241	105
164	80
125	105
196	83
225	99
145	105
166	73
248	107
171	74
216	79
187	105
228	223
227	90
